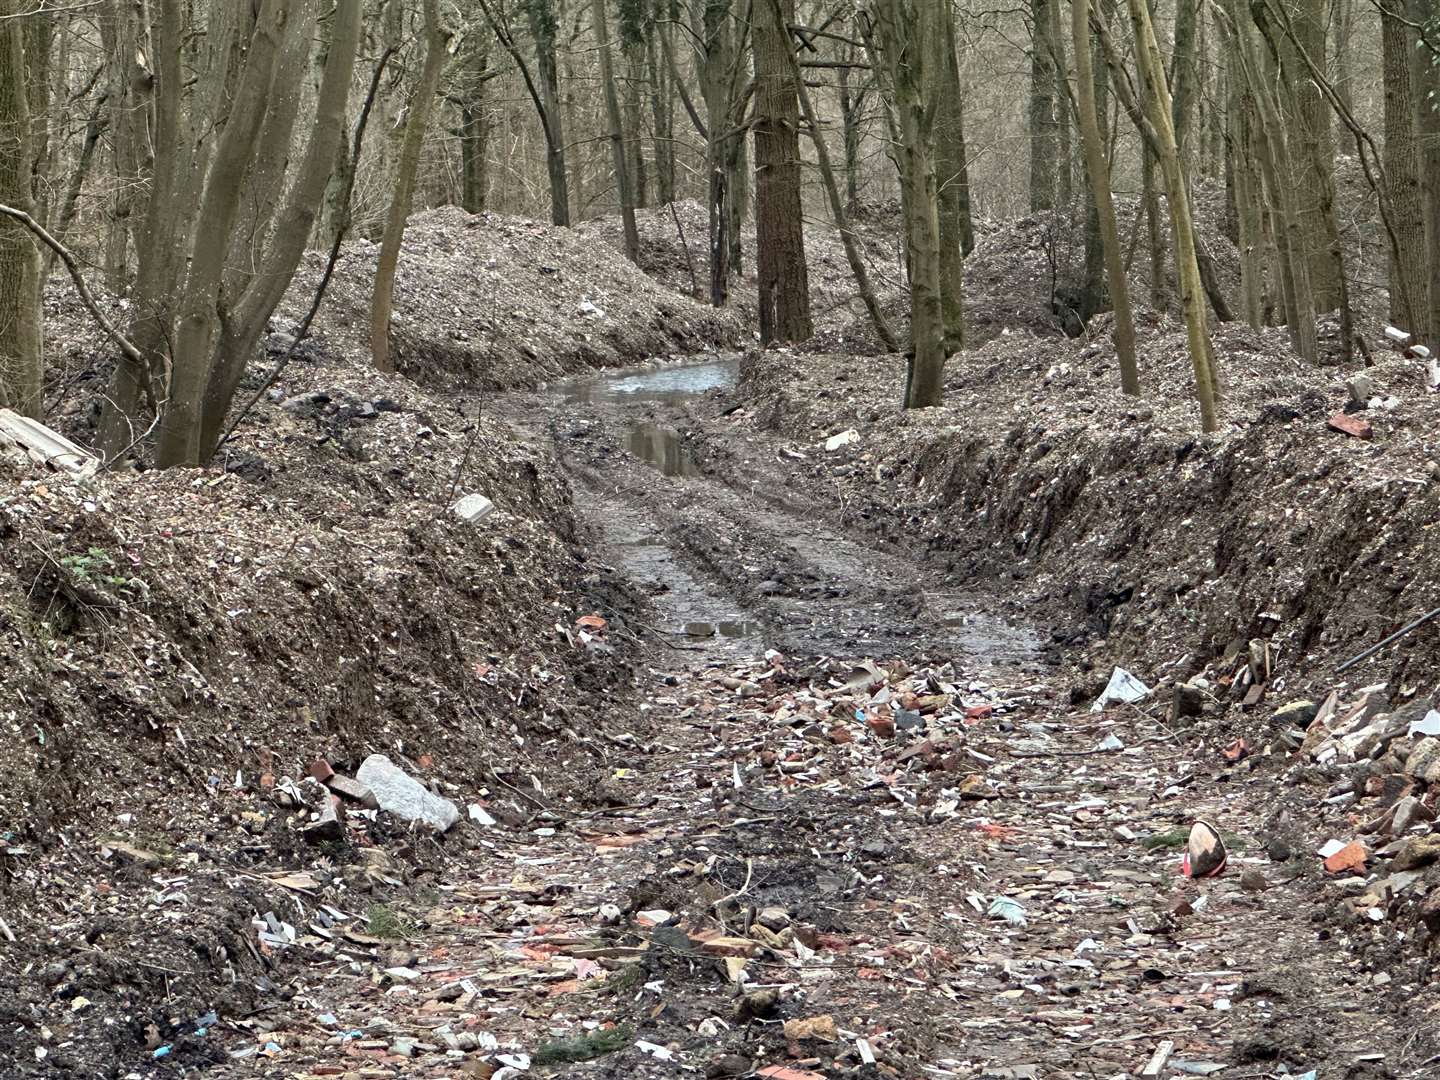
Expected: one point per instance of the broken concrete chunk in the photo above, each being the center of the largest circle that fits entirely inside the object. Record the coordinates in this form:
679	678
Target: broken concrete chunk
1417	852
1409	811
1187	701
1297	714
402	795
1424	761
353	790
1361	388
129	853
472	508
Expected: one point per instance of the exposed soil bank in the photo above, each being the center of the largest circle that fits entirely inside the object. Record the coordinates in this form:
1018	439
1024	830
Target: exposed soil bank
1140	540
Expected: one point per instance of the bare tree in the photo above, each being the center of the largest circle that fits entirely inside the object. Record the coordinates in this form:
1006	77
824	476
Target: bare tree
20	326
779	217
437	40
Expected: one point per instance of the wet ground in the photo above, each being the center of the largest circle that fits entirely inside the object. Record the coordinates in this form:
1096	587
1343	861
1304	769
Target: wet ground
727	556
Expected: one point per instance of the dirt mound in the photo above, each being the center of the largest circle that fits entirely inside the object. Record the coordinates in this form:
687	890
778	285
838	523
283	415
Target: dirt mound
494	301
177	644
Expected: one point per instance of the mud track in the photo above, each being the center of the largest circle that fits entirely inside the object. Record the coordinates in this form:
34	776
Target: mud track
751	785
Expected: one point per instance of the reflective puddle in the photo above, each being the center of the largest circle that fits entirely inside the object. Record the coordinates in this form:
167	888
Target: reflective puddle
662	446
671	384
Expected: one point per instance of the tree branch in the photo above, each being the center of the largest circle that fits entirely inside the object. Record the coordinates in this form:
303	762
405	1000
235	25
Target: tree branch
127	348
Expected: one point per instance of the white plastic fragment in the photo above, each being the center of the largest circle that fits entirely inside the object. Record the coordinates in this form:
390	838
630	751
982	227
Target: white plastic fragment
1122	689
655	1050
1430	725
845	438
1395	334
1002	907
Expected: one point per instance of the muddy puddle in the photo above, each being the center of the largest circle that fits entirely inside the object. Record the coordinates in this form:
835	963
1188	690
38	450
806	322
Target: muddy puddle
662	446
668	384
696	543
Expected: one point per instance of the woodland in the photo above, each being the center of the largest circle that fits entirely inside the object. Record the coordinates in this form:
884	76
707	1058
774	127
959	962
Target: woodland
793	539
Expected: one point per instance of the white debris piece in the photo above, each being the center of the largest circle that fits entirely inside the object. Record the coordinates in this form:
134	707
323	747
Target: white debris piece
1395	334
1122	689
472	508
845	438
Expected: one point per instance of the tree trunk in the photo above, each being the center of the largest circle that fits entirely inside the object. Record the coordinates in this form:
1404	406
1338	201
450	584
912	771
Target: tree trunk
779	217
1425	93
662	113
437	38
839	212
543	28
1312	149
1160	109
1098	171
943	69
1402	167
901	29
1044	145
618	155
20	327
475	128
1250	236
850	137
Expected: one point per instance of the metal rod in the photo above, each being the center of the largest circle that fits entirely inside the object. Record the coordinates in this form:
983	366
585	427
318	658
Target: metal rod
1393	637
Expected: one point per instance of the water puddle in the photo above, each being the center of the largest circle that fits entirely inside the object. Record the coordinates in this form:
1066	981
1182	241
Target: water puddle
670	384
662	446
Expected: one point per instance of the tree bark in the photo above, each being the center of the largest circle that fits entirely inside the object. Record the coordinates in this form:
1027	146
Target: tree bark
901	27
1098	170
20	326
437	38
618	154
780	267
1160	109
1402	165
1044	145
1425	93
952	181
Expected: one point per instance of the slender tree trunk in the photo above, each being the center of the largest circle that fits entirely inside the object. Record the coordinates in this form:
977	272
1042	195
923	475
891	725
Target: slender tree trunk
544	29
618	155
1402	165
437	38
475	128
1425	94
850	137
20	342
951	178
839	212
779	217
1182	228
1312	149
1044	145
1186	70
661	116
198	324
1098	170
1250	237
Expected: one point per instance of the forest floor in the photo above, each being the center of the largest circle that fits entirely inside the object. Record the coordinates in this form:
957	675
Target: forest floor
767	709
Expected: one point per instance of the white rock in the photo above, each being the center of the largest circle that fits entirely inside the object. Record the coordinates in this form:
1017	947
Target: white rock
472	508
404	796
845	438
